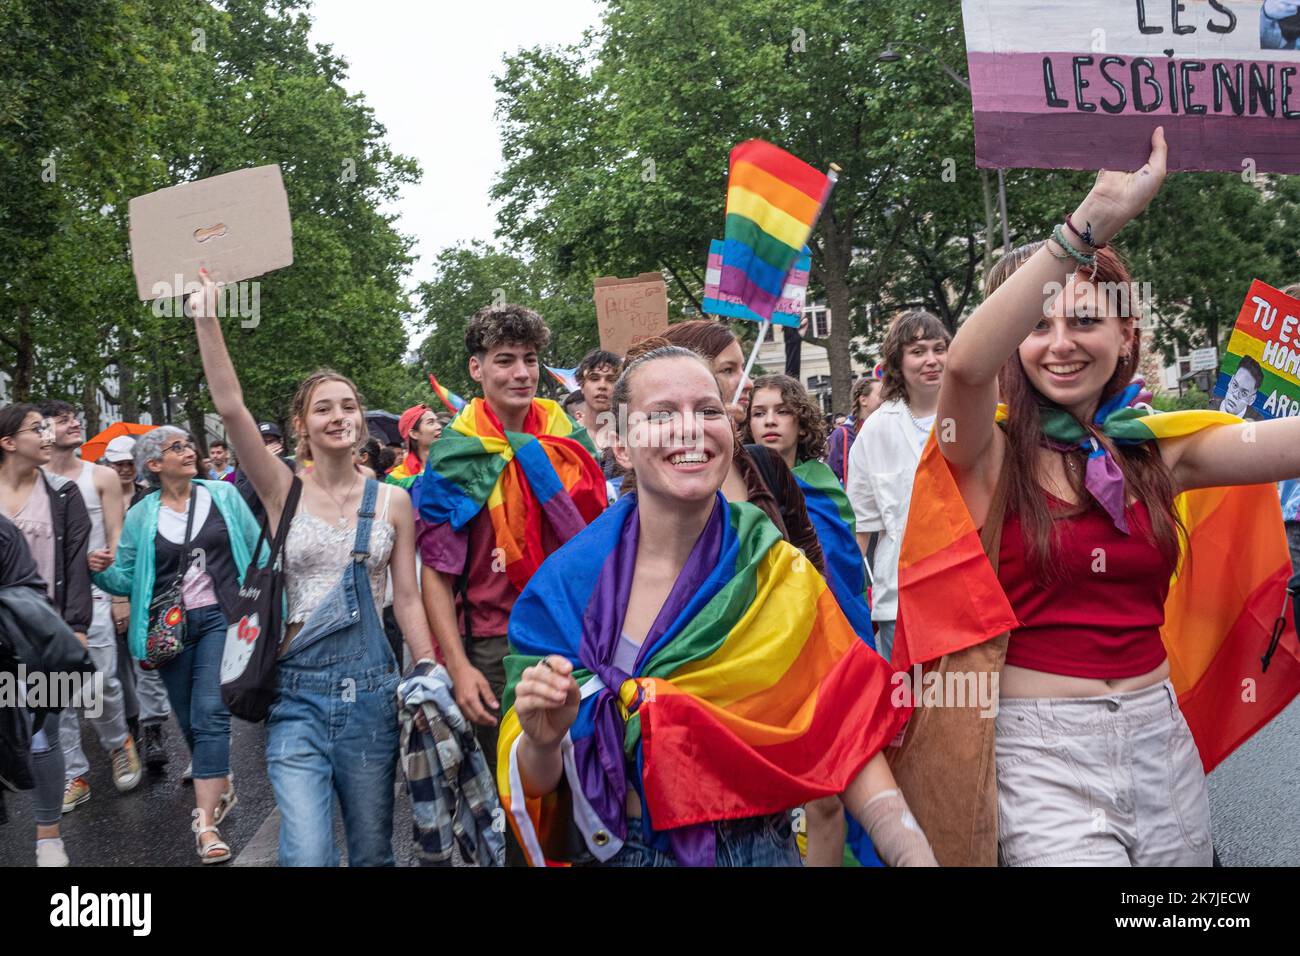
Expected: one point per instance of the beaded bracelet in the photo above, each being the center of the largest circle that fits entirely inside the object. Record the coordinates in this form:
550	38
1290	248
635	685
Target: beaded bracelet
1086	261
1086	235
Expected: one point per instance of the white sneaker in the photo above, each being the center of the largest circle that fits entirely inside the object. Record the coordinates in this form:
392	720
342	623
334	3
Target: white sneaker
50	852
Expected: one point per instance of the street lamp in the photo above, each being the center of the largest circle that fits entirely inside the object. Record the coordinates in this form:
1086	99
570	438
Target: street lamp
891	55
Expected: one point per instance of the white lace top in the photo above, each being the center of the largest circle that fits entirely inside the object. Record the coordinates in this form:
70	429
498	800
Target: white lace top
317	551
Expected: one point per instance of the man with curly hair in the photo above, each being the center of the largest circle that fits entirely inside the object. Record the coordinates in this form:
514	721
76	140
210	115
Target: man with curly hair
489	507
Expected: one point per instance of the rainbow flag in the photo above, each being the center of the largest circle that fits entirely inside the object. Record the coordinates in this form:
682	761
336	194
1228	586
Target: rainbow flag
449	398
1228	591
405	472
751	693
836	526
549	469
773	201
788	311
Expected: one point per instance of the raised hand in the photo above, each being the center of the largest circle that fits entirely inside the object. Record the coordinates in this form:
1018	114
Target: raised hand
1118	198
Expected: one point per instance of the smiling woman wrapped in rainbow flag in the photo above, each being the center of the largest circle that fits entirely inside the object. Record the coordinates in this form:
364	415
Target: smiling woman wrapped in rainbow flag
680	676
1130	609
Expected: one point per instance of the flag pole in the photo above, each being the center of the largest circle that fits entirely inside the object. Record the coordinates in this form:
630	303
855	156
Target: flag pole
832	177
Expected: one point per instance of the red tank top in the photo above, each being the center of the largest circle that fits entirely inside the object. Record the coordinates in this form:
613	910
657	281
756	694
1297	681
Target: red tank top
1099	613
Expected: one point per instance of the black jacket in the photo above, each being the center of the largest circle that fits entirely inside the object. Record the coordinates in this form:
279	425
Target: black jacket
71	520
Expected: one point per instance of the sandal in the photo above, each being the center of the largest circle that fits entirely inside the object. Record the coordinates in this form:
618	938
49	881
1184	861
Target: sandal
226	803
218	851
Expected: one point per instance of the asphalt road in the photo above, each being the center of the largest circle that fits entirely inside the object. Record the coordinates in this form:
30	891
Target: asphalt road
1254	802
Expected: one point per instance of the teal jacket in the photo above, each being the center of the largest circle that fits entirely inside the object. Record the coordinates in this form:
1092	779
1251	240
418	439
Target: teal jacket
132	571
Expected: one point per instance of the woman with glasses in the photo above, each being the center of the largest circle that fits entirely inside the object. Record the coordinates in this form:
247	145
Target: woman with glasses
55	525
151	555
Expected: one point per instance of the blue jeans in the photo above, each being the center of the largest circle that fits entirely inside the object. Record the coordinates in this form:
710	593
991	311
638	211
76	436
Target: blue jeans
756	841
193	682
333	730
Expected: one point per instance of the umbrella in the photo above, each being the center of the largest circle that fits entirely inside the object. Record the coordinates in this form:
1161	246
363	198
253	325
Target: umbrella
383	425
94	449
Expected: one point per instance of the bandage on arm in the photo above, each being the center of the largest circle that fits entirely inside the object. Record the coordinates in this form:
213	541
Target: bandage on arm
894	832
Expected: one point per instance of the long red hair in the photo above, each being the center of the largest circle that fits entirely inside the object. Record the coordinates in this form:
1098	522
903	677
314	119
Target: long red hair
1146	475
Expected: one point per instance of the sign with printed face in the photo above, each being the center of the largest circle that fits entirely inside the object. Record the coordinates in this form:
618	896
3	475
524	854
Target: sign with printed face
1260	374
1081	84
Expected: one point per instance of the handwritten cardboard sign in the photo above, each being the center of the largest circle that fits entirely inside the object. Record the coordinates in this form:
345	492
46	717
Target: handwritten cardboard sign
629	310
1082	85
235	225
1260	373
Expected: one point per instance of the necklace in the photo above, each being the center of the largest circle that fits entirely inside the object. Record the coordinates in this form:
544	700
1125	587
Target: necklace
919	427
343	520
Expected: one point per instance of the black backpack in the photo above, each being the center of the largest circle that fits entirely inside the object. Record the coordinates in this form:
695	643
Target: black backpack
252	648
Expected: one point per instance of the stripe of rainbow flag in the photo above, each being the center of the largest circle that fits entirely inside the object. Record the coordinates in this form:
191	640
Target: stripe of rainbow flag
773	200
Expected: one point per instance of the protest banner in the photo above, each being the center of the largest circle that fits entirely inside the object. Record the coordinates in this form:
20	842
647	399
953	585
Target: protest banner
1260	373
1065	85
787	310
236	226
629	310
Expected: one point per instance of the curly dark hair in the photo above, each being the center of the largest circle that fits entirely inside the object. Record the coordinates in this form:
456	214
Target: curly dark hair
595	359
812	425
495	325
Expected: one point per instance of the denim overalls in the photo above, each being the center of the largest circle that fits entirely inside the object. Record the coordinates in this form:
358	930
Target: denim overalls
333	727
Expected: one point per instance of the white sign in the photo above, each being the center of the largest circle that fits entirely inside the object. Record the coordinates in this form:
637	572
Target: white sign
1203	359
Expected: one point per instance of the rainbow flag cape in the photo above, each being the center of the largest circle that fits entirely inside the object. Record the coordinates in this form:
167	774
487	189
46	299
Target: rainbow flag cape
833	520
449	398
405	472
548	470
1226	595
773	201
751	693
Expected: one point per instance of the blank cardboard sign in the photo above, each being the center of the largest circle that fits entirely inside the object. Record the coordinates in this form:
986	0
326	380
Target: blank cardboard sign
629	310
235	225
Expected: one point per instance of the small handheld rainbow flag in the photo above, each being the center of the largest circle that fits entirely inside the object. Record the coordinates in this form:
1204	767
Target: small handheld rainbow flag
773	201
449	398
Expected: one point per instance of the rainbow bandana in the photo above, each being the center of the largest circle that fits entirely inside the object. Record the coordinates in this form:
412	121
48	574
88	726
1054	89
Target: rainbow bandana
833	520
547	469
751	694
1226	596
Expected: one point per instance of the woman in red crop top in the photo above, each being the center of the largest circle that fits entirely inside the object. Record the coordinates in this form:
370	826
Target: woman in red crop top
1095	762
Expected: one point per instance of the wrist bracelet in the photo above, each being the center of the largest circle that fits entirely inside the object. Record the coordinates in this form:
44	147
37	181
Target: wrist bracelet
1086	235
1088	262
1051	240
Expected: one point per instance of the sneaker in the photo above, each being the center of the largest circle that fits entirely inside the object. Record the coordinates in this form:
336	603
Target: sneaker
51	853
188	775
126	767
152	747
75	794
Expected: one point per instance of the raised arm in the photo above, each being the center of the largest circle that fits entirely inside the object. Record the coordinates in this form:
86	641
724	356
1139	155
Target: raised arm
269	477
969	394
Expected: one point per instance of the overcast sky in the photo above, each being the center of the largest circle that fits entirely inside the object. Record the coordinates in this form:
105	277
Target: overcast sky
426	69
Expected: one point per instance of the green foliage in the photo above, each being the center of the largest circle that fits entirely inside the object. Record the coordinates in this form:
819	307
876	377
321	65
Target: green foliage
129	98
1193	398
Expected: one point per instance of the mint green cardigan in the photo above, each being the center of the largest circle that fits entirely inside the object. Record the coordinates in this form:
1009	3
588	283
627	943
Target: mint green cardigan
132	571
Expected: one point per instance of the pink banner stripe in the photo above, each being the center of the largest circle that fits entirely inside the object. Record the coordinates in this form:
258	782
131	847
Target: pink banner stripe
1015	83
736	282
1073	140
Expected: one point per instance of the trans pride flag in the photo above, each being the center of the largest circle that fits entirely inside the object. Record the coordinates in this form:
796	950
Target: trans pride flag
773	201
751	693
546	472
1227	593
786	312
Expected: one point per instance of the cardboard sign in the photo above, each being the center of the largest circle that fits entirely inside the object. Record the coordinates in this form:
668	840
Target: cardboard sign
788	309
1260	373
1082	85
629	310
235	225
